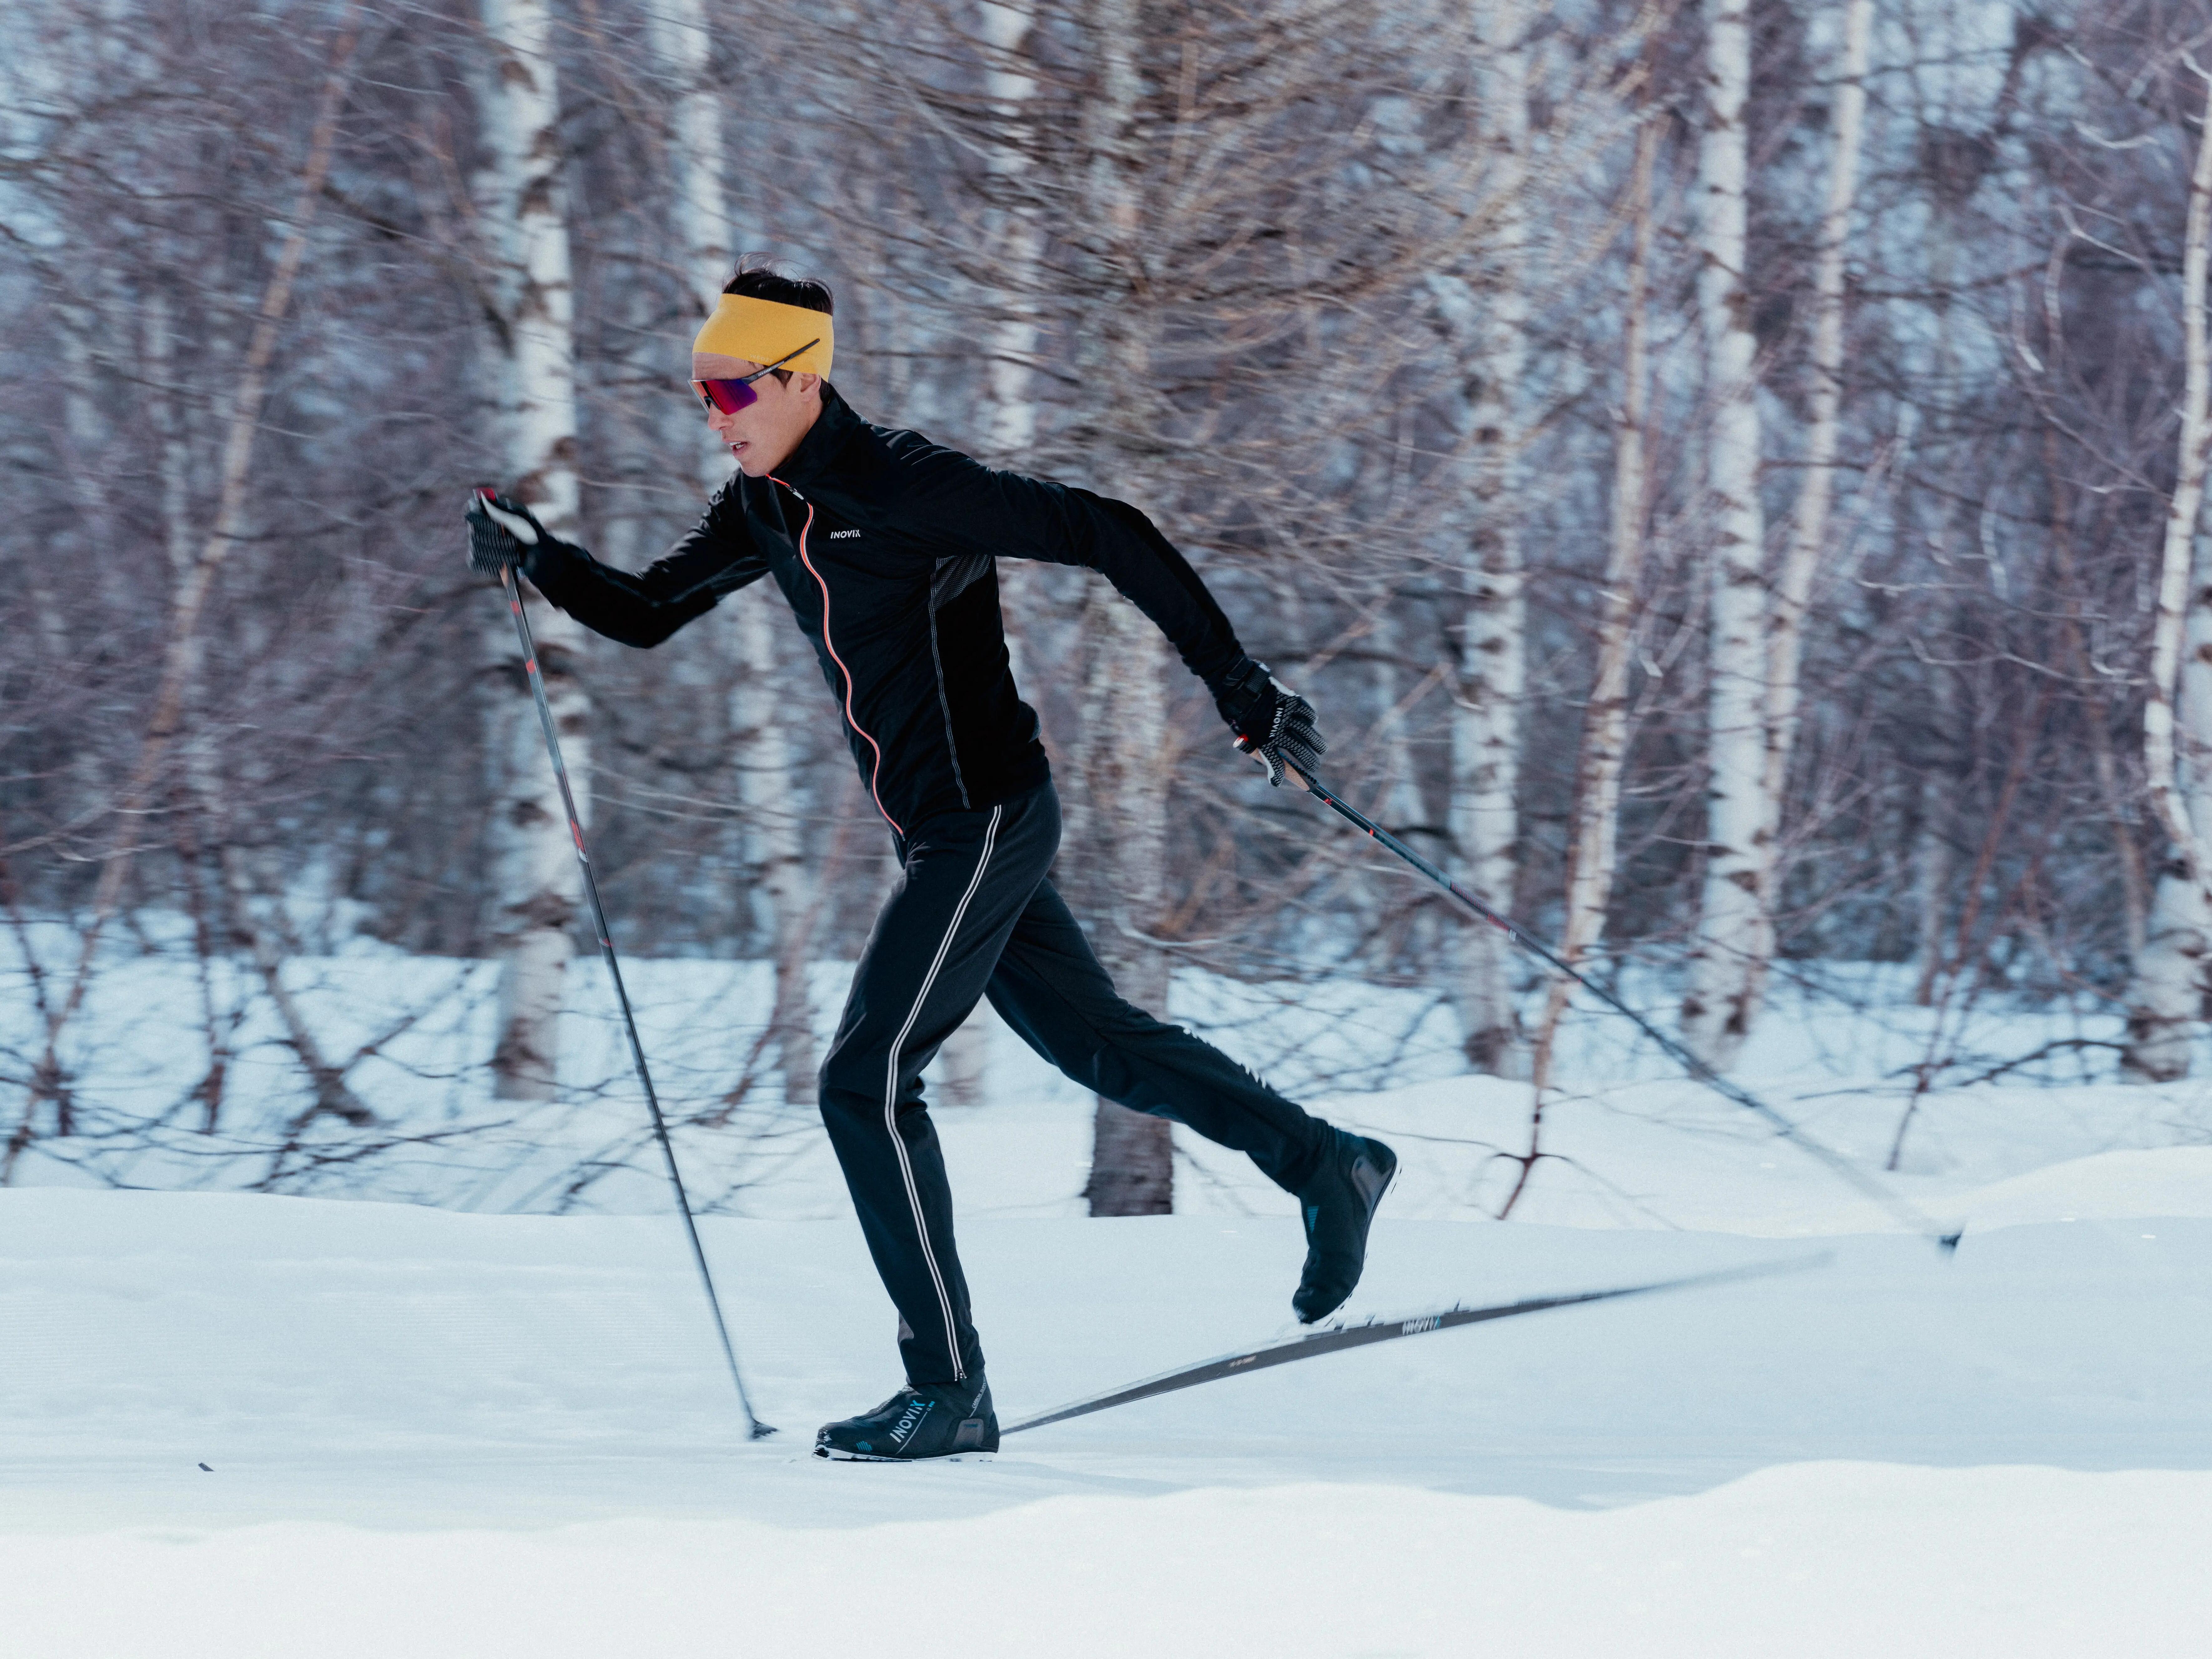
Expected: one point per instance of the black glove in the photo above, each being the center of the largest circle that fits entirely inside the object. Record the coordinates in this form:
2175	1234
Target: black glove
1273	724
501	533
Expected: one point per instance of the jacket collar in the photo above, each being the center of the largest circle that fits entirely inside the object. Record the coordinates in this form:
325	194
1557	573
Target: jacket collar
817	454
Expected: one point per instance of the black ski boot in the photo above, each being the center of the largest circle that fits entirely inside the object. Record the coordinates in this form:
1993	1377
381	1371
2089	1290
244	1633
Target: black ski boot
934	1421
1338	1204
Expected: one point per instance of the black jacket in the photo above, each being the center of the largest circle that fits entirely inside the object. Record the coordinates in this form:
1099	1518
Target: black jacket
882	542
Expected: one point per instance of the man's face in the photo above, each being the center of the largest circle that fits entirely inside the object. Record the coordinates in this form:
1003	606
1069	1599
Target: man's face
763	434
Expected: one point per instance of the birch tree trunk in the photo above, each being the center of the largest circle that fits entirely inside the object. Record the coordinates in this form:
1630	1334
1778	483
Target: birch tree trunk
1732	937
1014	229
767	787
2168	995
1801	560
1595	851
1125	748
2174	970
1011	351
1487	717
533	865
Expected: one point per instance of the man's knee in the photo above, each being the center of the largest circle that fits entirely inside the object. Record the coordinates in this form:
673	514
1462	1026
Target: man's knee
849	1082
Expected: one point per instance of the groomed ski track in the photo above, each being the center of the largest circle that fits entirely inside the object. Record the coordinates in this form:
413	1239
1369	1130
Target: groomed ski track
1341	1337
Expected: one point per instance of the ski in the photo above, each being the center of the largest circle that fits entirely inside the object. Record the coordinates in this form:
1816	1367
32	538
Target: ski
1337	1338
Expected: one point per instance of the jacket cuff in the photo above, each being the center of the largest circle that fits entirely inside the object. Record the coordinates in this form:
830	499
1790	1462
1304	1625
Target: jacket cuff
546	563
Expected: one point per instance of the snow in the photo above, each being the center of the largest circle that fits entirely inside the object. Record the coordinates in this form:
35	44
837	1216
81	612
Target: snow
452	1429
1818	1559
429	1432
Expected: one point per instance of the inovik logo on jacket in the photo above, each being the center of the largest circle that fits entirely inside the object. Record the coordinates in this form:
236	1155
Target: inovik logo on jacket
903	619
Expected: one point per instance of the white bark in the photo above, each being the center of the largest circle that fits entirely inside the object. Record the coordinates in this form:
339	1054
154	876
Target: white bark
2167	998
1801	560
1018	238
1016	233
534	865
683	39
1492	670
1732	937
2168	755
2174	970
2166	995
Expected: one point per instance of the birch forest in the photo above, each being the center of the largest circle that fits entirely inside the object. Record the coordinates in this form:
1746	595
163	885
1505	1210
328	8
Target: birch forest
1728	473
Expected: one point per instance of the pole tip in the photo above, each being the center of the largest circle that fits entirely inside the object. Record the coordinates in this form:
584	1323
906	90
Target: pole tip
761	1430
1949	1241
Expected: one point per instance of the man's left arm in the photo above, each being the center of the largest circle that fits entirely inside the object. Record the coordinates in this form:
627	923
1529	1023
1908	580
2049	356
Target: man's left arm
969	508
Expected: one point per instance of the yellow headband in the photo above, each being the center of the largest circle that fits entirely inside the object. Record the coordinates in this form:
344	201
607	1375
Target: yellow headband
762	330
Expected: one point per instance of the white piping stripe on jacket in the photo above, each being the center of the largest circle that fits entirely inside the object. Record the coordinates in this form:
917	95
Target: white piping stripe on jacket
890	1095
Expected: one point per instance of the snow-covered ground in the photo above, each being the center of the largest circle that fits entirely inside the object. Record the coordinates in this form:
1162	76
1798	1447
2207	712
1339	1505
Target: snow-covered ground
429	1433
453	1430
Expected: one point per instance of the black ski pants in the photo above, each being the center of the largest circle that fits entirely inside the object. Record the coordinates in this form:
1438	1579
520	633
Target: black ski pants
973	916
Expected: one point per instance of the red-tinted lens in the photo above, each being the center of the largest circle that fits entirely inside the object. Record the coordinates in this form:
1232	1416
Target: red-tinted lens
728	396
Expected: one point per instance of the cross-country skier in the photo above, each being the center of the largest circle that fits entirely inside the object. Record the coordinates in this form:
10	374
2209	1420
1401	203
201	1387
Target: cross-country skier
884	543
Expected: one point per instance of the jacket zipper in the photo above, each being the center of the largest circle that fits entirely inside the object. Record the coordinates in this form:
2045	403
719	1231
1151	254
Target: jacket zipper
876	772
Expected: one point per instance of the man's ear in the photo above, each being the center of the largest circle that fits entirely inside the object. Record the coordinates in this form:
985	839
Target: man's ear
803	384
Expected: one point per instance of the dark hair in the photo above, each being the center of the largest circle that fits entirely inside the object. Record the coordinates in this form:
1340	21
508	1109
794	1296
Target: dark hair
757	278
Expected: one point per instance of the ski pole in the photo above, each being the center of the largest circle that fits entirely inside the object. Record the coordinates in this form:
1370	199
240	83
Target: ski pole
755	1429
1909	1213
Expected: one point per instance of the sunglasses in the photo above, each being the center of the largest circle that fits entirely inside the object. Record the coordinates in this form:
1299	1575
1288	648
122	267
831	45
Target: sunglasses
731	396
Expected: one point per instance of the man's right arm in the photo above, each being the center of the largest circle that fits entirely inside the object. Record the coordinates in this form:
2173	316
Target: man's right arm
716	556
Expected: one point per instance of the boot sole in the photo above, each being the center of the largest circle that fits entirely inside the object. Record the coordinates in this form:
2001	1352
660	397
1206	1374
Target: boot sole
836	1456
984	1440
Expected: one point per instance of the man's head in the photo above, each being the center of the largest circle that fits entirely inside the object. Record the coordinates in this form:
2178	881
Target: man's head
765	318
